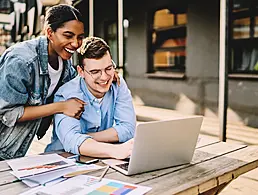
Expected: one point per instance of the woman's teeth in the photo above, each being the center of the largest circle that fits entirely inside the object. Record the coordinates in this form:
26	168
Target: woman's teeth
70	51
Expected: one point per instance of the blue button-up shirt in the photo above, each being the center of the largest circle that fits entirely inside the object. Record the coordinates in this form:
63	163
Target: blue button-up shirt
116	110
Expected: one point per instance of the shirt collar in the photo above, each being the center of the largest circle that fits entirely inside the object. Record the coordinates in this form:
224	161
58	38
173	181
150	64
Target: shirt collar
86	91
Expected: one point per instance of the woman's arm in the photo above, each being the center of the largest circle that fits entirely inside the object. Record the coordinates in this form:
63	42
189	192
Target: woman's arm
15	80
72	107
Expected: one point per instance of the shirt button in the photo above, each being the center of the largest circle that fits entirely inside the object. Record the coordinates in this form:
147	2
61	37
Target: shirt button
97	111
97	127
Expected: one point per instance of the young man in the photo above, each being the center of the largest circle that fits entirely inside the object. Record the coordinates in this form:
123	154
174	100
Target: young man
109	115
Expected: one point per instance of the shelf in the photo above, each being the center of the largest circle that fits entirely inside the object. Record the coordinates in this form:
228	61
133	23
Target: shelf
245	42
243	76
179	48
176	27
166	75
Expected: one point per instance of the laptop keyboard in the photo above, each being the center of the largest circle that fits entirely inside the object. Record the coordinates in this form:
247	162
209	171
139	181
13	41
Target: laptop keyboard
123	166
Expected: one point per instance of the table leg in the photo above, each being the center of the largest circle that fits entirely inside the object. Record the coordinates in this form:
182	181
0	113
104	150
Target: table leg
216	190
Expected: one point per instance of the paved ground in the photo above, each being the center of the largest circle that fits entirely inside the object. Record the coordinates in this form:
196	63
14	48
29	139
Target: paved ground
246	184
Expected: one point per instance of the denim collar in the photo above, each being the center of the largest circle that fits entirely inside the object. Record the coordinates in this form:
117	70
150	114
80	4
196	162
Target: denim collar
43	55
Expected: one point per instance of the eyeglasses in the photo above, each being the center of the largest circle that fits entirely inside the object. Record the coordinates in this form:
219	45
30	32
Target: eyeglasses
97	73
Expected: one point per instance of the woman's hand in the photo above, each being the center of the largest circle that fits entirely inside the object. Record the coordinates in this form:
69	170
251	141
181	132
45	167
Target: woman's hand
73	107
116	78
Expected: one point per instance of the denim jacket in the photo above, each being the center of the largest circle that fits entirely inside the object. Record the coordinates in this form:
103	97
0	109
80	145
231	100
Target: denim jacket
24	81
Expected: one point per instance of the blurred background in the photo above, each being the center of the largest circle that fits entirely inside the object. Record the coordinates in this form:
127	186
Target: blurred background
168	51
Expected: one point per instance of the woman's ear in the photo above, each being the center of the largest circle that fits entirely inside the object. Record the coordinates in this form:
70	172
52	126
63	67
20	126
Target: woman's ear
80	71
49	33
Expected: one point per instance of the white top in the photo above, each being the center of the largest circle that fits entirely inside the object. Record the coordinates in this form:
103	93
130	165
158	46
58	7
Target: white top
54	76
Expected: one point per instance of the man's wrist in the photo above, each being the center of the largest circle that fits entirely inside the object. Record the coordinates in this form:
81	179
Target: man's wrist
112	150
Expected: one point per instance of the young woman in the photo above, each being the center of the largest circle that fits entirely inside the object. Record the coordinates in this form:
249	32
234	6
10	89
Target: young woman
30	73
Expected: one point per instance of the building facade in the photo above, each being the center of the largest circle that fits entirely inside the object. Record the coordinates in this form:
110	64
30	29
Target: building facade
172	53
171	49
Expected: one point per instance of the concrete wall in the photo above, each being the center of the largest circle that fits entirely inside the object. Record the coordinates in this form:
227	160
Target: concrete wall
198	93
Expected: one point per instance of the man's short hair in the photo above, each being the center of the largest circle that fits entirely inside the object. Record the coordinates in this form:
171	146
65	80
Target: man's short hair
92	48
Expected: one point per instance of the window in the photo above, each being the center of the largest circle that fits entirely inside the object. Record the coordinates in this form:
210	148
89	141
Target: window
112	40
244	37
111	36
5	39
6	24
168	39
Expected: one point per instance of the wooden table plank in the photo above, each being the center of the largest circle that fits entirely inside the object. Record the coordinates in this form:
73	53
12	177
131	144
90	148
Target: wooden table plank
6	177
200	155
4	166
13	189
202	174
204	140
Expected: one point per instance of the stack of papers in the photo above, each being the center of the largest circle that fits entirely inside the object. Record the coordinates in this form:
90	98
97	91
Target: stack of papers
41	169
34	165
46	174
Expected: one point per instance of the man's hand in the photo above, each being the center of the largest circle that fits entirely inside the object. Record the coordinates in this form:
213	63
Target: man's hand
123	150
116	78
73	107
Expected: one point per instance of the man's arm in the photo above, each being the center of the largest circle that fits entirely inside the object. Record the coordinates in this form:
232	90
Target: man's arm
68	130
91	147
124	114
69	133
124	117
109	136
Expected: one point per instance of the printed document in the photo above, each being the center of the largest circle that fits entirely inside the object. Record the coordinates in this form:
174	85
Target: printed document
36	164
84	184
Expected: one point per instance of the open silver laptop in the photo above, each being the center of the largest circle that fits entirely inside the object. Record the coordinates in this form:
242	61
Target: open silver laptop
161	144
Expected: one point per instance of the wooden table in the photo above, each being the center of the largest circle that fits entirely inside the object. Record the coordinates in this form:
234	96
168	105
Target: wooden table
214	165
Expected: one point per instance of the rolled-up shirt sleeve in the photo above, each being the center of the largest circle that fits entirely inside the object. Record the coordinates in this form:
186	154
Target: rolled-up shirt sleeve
124	114
14	82
68	131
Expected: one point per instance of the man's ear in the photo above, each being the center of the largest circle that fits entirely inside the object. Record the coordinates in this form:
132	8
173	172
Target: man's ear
80	71
49	33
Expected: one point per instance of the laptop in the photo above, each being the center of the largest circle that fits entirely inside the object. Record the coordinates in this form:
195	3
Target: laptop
161	144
